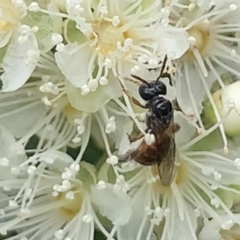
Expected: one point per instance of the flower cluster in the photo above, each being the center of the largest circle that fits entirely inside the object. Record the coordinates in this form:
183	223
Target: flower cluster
72	73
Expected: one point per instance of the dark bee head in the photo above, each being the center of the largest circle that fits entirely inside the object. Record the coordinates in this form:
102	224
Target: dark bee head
152	89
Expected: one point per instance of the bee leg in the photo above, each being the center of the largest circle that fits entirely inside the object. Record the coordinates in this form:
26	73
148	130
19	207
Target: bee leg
175	105
134	139
173	128
176	127
135	101
126	157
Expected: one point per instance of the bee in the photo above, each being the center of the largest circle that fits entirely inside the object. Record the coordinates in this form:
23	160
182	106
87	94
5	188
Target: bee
160	122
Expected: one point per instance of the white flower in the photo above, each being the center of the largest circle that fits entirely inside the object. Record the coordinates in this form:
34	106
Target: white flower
66	78
56	116
59	199
11	15
212	27
229	229
23	37
110	36
11	155
45	101
20	60
92	101
201	188
106	40
19	45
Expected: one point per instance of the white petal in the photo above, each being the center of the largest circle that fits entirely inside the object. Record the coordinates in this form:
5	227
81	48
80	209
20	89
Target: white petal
70	4
9	150
173	41
181	229
187	130
84	230
115	207
121	137
4	38
93	101
20	118
130	230
73	62
61	160
123	128
191	92
57	21
16	71
6	141
61	4
211	229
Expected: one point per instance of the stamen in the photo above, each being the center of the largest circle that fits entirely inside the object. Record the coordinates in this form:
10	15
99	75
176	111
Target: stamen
222	85
85	89
101	185
215	111
111	125
106	143
196	112
113	160
103	81
4	162
87	218
219	13
115	21
130	112
93	85
34	7
227	225
60	47
121	185
200	61
179	201
85	137
56	38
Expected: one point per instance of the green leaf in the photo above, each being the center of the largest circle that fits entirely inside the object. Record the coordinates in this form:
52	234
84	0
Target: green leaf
91	155
99	236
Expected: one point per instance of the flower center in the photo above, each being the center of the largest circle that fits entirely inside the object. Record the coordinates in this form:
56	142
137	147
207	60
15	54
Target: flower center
9	18
179	178
4	25
71	206
200	39
53	95
71	201
231	234
71	113
108	36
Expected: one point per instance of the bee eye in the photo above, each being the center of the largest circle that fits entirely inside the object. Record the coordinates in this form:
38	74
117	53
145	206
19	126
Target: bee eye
146	92
161	88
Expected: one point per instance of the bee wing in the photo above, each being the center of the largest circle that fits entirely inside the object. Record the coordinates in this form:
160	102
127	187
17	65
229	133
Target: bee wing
168	156
166	166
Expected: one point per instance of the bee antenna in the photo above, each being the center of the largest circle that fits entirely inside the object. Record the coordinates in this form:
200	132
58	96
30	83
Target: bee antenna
163	67
140	79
